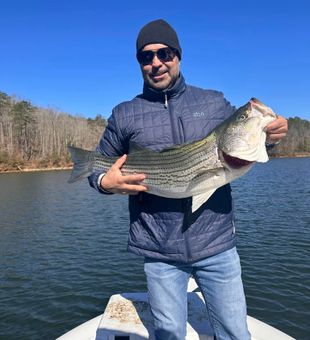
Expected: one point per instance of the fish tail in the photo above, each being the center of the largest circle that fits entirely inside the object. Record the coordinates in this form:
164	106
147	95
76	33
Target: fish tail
83	164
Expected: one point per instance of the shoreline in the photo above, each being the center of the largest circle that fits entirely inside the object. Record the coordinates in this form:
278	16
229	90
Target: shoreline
301	155
8	171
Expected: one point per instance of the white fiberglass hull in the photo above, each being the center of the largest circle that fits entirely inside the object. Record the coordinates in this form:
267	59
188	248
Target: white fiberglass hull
127	317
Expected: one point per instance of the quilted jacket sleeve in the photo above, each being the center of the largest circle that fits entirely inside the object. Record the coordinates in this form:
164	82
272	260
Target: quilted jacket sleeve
110	144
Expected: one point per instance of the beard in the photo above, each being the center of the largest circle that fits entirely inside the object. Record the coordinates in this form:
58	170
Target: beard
162	79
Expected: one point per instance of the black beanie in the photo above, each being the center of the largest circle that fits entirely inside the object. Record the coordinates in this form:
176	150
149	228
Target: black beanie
158	31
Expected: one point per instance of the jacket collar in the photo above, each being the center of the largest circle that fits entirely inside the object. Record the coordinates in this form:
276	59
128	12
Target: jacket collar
155	95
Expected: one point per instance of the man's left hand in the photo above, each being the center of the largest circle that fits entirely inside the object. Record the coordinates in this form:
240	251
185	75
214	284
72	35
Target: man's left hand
276	130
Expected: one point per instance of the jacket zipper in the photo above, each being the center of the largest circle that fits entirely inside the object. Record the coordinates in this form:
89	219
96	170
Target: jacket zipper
173	120
166	101
175	125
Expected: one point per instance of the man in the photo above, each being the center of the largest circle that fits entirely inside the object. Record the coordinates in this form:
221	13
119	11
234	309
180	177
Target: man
175	242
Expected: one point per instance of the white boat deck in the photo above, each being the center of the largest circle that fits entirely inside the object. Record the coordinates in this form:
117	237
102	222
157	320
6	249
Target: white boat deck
127	317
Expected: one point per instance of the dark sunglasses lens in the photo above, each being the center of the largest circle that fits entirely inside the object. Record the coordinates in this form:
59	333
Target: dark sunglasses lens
146	57
165	54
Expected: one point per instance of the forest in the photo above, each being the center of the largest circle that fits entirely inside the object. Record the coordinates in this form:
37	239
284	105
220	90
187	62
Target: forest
36	138
33	137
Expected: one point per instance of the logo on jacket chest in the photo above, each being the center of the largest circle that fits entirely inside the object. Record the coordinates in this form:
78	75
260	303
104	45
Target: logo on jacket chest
199	114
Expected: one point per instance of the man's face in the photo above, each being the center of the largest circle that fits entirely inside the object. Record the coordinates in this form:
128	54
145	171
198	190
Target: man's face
158	74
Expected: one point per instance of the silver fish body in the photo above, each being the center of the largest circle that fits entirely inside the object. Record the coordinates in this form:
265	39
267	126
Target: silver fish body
196	169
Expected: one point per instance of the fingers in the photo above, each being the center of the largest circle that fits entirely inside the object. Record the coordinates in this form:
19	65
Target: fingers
115	181
133	179
131	189
277	129
119	162
132	184
273	138
279	124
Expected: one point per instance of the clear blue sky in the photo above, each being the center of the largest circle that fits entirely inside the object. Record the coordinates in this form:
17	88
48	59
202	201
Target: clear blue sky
79	56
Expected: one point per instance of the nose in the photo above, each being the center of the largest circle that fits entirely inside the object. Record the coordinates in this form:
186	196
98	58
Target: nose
156	62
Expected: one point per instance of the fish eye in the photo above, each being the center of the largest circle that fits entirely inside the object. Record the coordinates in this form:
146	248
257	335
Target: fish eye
242	117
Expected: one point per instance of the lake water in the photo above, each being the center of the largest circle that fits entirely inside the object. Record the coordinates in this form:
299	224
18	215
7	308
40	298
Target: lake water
63	250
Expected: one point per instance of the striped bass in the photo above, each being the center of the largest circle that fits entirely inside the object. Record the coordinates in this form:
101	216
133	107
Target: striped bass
196	169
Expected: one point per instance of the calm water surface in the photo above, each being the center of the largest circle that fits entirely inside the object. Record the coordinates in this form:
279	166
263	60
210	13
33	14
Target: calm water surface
63	250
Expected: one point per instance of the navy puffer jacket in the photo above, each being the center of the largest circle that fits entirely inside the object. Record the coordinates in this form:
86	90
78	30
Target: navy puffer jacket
164	228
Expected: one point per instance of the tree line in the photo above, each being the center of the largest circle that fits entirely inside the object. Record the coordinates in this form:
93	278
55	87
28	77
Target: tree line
297	140
38	137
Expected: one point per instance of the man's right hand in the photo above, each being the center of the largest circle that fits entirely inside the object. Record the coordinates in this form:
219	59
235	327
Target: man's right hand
114	181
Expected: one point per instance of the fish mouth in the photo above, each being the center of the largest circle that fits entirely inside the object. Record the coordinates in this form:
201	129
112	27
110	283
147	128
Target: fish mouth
256	104
235	162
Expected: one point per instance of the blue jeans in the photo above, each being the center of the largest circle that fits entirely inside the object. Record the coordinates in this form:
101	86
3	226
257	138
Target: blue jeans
219	279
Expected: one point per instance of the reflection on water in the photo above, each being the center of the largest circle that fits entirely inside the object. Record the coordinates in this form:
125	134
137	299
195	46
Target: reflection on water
63	249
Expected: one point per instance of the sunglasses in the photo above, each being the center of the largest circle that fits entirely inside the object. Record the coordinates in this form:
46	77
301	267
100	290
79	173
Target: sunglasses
164	54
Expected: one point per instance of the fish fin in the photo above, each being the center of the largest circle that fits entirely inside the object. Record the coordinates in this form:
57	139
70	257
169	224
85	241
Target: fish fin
134	147
83	165
172	148
263	156
199	200
208	141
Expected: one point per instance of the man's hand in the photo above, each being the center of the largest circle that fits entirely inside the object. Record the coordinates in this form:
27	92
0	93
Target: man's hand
276	130
114	181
